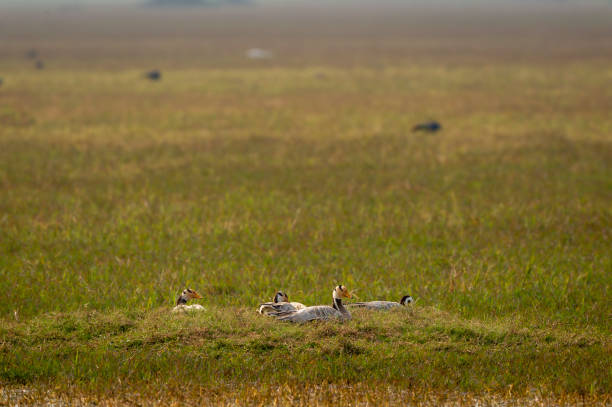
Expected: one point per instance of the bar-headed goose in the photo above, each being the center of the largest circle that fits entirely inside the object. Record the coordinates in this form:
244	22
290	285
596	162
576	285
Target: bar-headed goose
382	305
280	303
181	302
320	312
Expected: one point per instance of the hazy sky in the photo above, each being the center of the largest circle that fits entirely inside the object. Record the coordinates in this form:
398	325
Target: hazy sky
77	2
71	2
54	3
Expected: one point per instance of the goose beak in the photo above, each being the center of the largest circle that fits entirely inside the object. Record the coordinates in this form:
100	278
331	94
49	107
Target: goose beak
196	295
347	294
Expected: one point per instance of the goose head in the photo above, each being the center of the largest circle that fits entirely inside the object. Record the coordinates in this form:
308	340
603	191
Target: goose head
406	299
341	292
187	295
281	297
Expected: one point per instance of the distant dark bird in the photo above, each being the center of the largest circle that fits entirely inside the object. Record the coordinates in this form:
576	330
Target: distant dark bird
153	75
32	54
40	64
429	127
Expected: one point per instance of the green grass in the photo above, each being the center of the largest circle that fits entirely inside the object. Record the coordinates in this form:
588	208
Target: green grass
503	225
420	348
115	205
117	193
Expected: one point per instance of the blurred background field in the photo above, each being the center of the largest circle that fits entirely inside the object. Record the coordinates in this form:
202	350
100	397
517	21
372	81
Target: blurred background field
299	171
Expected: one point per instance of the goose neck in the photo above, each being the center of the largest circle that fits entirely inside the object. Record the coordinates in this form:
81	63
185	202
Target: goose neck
339	306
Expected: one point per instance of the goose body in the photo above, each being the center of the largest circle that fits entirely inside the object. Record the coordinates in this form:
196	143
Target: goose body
280	303
181	302
382	305
185	308
319	312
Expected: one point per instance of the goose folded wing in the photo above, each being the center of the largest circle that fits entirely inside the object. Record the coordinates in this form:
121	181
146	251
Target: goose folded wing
320	312
297	305
274	307
374	304
266	307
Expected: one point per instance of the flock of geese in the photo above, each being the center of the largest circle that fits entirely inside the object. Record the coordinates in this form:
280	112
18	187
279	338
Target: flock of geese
282	309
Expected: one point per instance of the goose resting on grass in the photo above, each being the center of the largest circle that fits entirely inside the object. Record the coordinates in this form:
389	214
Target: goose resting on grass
280	303
382	305
181	302
320	312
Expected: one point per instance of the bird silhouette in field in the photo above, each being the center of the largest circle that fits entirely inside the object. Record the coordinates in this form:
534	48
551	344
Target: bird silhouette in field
39	65
431	126
153	75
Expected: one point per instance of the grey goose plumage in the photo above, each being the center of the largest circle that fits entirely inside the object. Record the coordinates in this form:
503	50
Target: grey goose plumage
280	303
320	312
382	305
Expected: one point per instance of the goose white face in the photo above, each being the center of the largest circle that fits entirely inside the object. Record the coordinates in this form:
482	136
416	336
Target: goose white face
191	294
281	297
341	292
406	299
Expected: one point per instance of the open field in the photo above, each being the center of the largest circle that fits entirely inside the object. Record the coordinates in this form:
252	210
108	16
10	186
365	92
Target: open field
239	177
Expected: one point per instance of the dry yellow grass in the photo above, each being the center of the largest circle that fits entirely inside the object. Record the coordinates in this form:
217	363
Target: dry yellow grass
299	395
